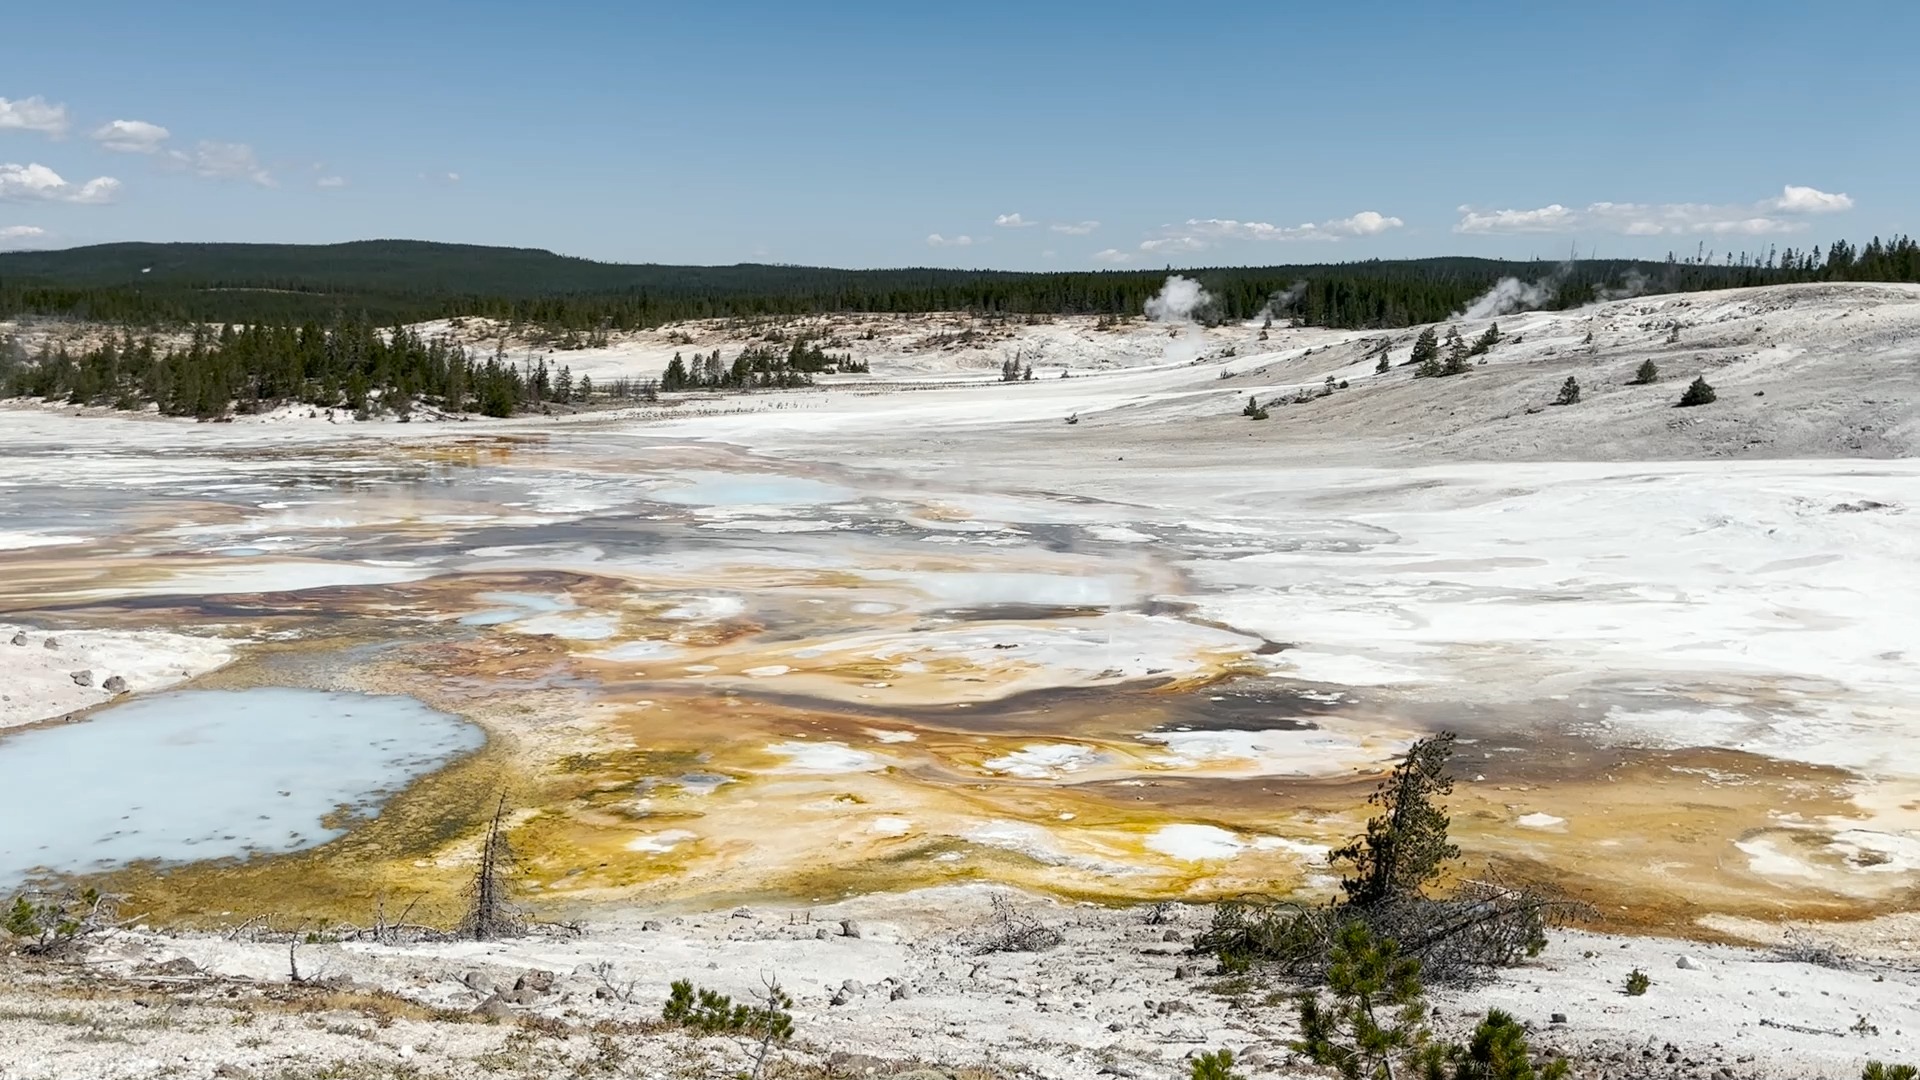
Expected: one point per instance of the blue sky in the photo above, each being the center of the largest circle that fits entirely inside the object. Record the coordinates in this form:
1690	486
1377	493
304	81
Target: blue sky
1031	135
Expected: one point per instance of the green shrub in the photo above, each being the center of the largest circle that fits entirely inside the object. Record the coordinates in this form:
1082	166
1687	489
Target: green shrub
1646	374
1253	409
1374	1018
1698	393
1217	1065
712	1013
1569	392
1637	982
1880	1070
1499	1051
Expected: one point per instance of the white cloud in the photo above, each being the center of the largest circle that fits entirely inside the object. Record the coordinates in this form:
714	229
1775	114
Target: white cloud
1795	199
223	161
1013	221
452	178
21	232
1763	218
1074	228
37	183
1198	234
33	114
1174	243
1111	255
331	182
131	136
936	240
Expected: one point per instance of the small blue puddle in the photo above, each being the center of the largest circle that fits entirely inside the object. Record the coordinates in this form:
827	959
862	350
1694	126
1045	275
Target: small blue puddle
734	489
209	774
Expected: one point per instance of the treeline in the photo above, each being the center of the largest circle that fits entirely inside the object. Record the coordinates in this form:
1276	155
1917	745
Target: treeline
385	282
354	366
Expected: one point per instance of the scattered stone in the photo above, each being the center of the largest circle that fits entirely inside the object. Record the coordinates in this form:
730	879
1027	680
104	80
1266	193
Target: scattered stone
1687	963
114	685
495	1006
922	1074
540	982
19	637
652	925
822	934
842	1061
901	992
849	928
1187	971
1171	935
742	913
840	997
179	965
53	643
82	678
1558	1018
478	981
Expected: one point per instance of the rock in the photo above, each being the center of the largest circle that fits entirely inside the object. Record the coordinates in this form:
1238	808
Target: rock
19	637
849	928
842	1061
840	997
1558	1018
520	995
853	986
822	934
1171	935
540	982
478	981
901	992
82	678
1687	963
495	1006
1187	971
53	643
114	685
652	925
179	965
921	1074
742	913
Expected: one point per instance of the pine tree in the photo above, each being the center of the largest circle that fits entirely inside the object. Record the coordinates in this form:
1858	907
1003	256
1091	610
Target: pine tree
1569	392
1373	1021
1698	393
1647	373
1406	843
1426	347
1456	362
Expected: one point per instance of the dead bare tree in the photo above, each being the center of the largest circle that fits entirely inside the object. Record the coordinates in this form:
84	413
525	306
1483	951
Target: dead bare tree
490	911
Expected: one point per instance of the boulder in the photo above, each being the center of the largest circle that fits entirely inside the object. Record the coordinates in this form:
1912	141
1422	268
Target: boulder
540	982
1687	963
652	925
495	1006
114	685
82	678
19	637
478	981
849	928
53	643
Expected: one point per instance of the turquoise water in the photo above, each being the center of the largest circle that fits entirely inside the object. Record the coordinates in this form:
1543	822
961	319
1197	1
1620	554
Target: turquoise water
749	489
209	774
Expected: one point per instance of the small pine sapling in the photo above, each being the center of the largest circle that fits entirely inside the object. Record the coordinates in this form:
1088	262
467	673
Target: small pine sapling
1698	393
1569	392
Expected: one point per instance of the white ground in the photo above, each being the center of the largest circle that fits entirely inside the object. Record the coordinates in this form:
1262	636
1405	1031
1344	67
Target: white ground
1739	575
1118	998
39	682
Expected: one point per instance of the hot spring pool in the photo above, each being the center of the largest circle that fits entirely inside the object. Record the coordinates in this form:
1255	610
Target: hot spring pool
209	774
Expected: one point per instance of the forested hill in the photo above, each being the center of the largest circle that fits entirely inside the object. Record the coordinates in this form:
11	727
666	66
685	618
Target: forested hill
389	281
